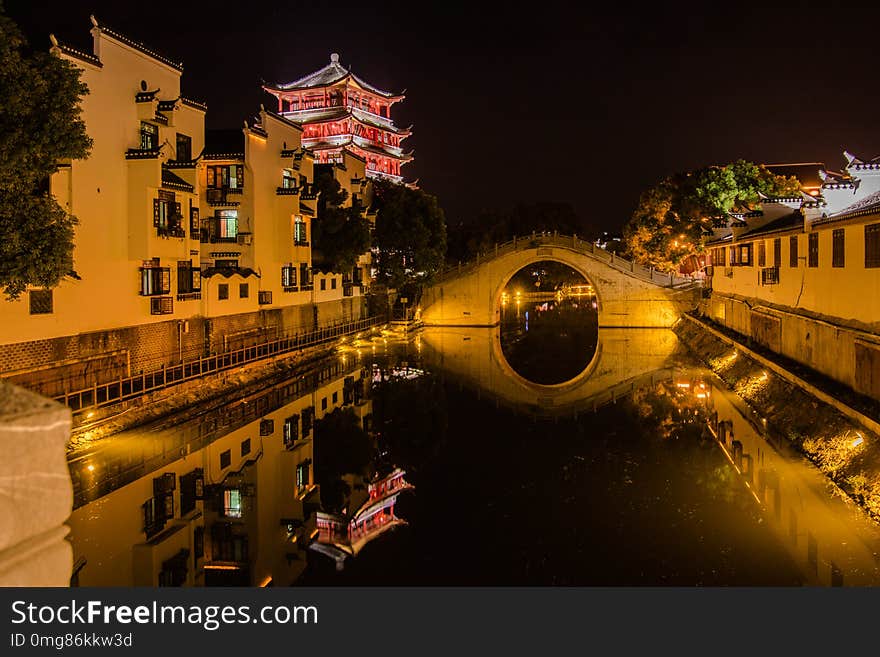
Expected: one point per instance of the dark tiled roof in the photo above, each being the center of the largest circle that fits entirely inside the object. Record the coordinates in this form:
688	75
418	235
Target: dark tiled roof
790	221
172	180
226	272
194	104
868	205
330	74
77	54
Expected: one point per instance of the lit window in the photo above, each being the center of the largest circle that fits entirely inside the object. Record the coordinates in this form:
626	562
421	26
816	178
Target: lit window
149	136
232	503
155	279
300	235
227	224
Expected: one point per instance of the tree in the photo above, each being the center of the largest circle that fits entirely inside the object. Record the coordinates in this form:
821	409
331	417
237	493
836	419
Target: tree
341	447
339	234
410	235
40	125
674	217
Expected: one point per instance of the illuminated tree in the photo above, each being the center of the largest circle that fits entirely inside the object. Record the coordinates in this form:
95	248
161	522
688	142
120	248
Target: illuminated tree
339	234
674	217
410	236
40	124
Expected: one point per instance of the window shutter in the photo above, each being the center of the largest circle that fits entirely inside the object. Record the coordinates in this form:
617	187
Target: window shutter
164	281
177	210
155	213
210	177
239	175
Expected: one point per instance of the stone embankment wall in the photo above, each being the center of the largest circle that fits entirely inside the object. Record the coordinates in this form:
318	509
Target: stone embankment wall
846	351
77	362
842	441
36	495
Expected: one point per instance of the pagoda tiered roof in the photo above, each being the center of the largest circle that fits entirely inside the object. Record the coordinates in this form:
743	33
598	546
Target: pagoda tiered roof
328	114
331	74
367	147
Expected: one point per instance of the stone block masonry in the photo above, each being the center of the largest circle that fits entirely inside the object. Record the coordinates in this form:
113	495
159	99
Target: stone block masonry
842	441
76	362
36	495
844	351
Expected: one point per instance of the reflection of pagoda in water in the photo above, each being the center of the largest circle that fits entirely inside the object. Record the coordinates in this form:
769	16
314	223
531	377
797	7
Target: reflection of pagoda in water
340	536
225	497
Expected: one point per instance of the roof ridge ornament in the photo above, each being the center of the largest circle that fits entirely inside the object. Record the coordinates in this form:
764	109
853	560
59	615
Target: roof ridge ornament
334	58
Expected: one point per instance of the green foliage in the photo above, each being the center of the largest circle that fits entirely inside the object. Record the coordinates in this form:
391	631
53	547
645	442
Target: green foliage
341	447
410	235
339	234
674	217
40	124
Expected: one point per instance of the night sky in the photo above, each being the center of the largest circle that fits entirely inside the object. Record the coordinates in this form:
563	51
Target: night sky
532	102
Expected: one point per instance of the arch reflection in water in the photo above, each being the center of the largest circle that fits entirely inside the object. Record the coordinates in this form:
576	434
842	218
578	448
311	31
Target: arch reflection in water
549	323
624	360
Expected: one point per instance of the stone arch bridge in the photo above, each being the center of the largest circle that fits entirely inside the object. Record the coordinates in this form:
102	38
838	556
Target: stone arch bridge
628	295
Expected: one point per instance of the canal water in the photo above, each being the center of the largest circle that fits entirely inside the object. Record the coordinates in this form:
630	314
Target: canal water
540	452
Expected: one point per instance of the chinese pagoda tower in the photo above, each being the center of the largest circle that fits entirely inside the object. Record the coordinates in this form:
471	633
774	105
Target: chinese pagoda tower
339	111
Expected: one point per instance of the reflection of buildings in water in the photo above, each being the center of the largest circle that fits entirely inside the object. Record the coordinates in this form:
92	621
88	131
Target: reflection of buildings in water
831	540
343	535
234	507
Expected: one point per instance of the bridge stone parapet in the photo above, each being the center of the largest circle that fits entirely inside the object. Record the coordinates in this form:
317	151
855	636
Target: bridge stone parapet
36	494
628	295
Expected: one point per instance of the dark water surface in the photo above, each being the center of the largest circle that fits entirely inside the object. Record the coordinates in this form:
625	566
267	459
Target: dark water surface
556	454
636	493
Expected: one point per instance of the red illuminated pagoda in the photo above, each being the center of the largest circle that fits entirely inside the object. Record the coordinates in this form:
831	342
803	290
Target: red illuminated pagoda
339	111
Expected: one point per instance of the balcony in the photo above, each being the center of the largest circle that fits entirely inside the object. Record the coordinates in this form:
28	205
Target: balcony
171	231
287	191
770	276
221	196
189	296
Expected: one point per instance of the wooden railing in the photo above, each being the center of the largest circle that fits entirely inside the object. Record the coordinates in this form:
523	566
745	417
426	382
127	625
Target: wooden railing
134	386
572	242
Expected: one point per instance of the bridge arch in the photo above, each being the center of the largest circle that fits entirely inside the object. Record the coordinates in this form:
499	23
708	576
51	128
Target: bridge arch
559	257
628	295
